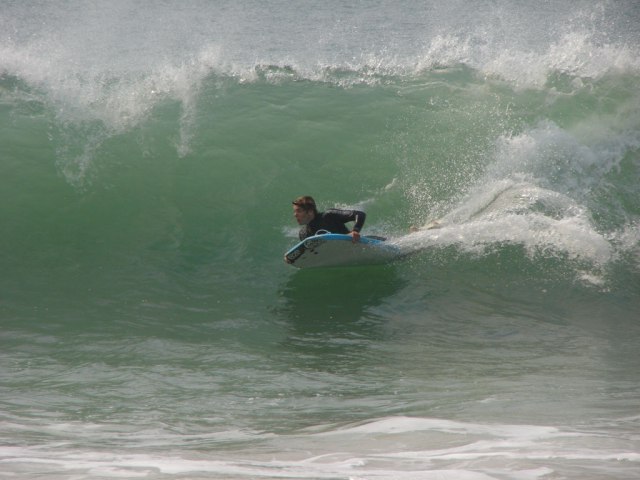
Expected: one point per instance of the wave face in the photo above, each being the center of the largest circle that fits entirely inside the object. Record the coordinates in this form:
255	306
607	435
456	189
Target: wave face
149	153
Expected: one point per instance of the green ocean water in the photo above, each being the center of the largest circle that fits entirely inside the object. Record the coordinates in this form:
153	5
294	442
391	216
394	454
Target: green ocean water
149	153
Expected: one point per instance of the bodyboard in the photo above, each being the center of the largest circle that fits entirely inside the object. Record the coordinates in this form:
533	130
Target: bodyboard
334	249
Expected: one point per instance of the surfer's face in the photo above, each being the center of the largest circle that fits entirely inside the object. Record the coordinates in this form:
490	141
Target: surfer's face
302	216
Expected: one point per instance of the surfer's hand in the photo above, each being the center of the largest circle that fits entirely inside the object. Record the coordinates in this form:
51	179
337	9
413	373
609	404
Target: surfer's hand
286	260
356	236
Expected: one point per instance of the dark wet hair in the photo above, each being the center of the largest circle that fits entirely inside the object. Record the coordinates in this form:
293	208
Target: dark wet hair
306	202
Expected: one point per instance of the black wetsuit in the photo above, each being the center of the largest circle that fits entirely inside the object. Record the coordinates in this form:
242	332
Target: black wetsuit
333	220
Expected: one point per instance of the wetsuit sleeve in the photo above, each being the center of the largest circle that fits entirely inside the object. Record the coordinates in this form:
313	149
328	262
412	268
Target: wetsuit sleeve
359	219
350	216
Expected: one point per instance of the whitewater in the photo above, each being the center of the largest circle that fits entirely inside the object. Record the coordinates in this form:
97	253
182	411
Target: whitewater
149	154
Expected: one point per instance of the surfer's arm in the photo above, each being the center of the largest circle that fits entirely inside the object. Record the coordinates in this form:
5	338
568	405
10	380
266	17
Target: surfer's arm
359	219
356	216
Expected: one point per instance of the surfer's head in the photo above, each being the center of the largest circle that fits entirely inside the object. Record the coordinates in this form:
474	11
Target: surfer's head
304	209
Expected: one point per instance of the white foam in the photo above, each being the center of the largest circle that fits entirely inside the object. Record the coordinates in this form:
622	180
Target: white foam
386	448
507	211
573	160
95	103
574	54
401	424
539	191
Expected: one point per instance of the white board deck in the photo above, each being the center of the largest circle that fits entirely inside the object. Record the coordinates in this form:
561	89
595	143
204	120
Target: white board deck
333	249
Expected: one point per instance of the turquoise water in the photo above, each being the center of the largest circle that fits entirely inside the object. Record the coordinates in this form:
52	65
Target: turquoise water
149	153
